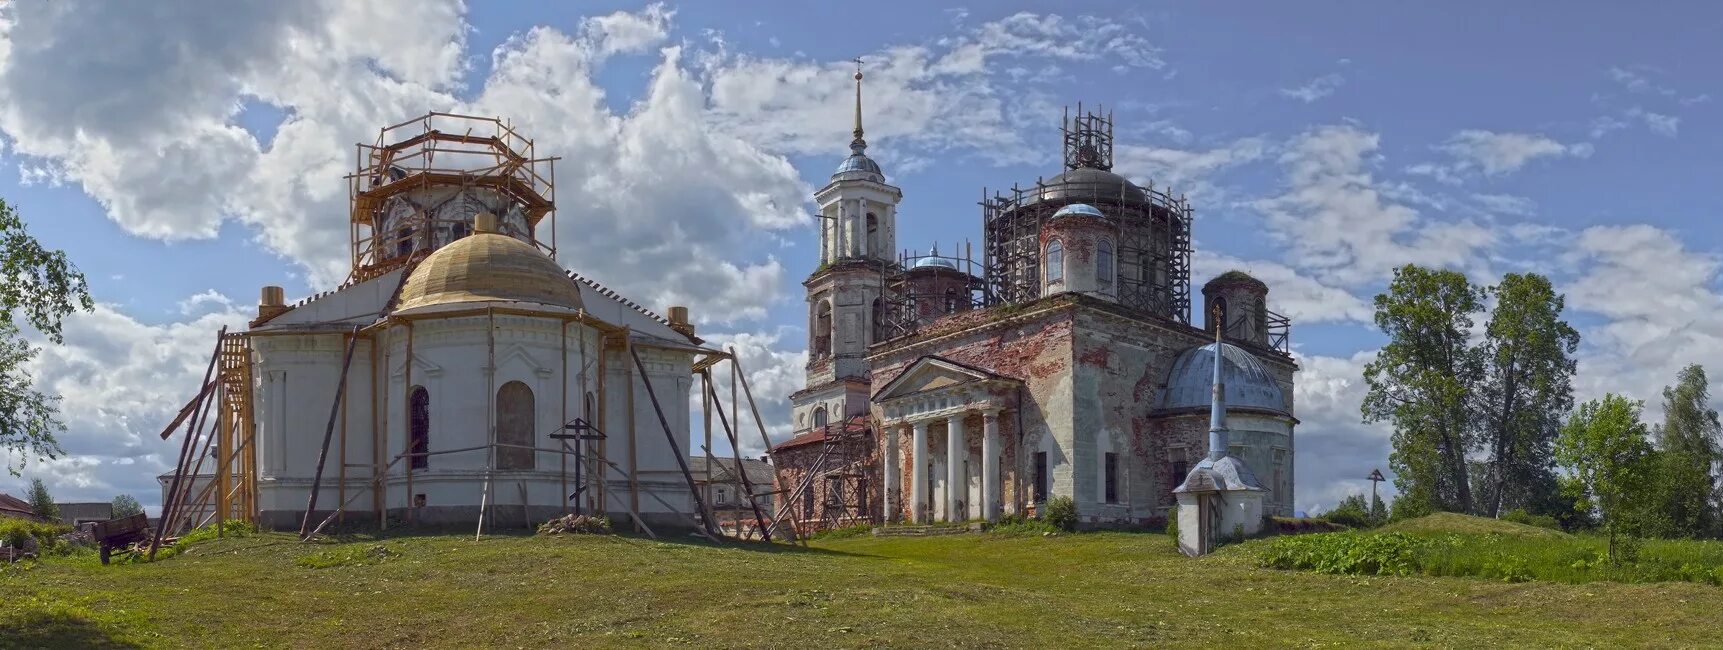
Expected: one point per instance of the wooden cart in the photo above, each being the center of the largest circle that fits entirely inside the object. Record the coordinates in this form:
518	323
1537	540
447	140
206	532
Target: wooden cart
117	533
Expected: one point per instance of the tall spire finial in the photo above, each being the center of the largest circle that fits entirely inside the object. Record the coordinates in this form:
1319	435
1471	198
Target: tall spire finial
858	145
1218	438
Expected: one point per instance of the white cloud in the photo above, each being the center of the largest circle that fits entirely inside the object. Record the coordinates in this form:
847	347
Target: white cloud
1664	125
1185	171
1302	298
1506	204
1315	89
121	381
1501	153
1336	450
1661	304
1338	224
952	95
776	366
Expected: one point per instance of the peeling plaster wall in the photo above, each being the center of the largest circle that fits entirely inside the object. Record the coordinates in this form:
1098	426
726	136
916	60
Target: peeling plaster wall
1119	377
1033	345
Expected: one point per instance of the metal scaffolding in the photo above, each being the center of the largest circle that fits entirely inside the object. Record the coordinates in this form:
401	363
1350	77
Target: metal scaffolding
1154	227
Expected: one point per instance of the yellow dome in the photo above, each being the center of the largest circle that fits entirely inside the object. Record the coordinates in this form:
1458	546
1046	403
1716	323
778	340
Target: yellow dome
485	266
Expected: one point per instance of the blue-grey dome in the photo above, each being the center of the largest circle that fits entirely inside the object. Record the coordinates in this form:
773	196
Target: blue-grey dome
1248	383
935	262
859	166
1079	209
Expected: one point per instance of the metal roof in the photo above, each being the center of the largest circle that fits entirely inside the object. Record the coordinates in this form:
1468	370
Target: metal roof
1079	209
940	262
1190	383
858	166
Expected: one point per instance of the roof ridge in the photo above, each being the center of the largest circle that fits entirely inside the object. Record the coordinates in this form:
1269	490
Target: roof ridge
612	294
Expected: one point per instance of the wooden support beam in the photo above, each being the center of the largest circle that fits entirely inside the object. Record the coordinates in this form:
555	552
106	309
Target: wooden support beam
179	470
329	432
735	450
681	459
764	439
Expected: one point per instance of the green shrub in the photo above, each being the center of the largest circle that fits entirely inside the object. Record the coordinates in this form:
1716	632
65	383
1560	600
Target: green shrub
40	537
1061	513
1351	513
1345	553
857	530
1020	525
1173	524
1520	516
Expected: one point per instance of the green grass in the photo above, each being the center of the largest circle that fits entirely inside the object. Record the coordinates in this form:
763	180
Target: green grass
1079	590
1447	544
1448	522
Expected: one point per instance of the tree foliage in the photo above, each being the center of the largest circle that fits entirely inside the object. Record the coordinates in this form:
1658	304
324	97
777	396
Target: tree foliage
44	287
1421	382
41	502
1688	450
1526	389
1604	446
125	506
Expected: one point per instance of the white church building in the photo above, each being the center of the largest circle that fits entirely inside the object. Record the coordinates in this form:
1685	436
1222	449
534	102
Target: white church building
461	369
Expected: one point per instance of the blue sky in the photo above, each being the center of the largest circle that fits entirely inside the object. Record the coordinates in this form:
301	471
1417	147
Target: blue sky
1321	147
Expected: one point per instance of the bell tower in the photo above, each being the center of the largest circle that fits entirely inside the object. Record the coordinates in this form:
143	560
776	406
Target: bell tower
858	234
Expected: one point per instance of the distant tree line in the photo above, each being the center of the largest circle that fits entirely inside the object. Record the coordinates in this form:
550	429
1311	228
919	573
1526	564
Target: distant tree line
1484	421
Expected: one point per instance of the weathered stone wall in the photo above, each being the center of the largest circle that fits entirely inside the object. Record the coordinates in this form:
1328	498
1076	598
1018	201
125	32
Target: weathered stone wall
1031	343
792	465
1120	374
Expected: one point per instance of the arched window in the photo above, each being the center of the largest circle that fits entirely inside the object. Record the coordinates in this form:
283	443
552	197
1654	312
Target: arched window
405	245
514	426
820	417
1055	261
419	441
878	328
1104	265
591	408
950	301
873	243
1218	312
823	329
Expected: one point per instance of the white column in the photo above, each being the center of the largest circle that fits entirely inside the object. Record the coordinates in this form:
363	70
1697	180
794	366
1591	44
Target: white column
889	470
955	451
918	472
991	495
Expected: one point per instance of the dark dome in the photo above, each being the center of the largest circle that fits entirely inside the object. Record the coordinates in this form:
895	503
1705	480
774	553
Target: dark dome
1088	183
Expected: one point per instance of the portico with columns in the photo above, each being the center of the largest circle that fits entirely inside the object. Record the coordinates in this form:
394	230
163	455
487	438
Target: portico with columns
943	453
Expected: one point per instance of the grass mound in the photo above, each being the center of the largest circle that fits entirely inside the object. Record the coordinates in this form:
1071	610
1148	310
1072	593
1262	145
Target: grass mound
1451	522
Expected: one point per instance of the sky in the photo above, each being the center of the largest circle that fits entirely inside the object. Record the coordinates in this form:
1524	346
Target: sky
185	154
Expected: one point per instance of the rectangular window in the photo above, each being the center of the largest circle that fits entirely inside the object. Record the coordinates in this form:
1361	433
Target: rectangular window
1112	477
1178	466
1040	476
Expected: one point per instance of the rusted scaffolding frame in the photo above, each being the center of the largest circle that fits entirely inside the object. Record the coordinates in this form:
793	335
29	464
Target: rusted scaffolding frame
1153	232
903	306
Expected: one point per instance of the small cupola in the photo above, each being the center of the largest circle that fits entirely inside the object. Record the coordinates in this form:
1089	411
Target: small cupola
1078	252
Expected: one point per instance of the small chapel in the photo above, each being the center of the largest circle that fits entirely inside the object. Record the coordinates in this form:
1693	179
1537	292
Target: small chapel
1060	359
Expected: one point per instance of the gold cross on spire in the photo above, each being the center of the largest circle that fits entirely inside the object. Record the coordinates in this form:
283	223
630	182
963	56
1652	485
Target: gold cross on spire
858	129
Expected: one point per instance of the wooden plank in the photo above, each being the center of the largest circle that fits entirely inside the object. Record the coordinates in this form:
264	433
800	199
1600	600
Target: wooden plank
681	460
329	432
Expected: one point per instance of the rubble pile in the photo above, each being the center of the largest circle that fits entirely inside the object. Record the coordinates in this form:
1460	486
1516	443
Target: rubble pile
576	525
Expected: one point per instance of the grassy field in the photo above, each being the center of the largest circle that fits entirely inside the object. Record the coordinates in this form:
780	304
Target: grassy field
1101	589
